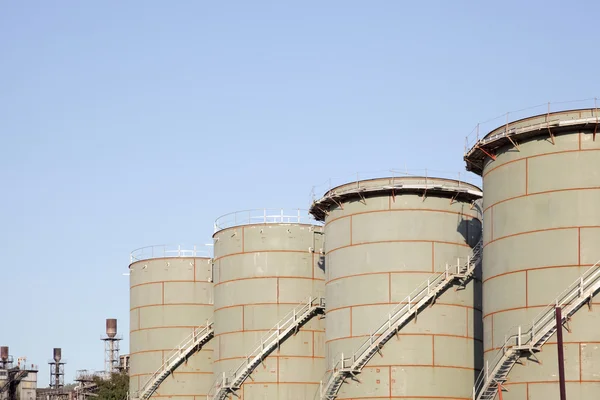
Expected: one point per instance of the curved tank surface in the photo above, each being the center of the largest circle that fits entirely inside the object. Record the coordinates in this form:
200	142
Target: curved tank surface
266	263
383	238
541	233
171	293
57	354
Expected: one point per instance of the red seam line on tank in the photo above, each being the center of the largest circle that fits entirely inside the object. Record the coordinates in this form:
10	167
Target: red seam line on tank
536	269
262	251
535	231
526	288
163	327
579	245
526	176
543	192
257	304
269	357
157	282
270	277
161	350
402	209
264	330
379	273
178	372
535	156
172	304
420	366
394	304
168	258
249	383
350	230
553	342
408	334
513	309
543	382
396	241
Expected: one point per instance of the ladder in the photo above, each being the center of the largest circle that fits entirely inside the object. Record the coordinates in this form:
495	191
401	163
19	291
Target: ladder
191	344
286	327
18	375
406	310
518	343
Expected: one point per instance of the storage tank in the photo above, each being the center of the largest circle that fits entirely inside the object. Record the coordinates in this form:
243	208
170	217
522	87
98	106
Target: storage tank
171	294
541	232
111	327
266	263
383	238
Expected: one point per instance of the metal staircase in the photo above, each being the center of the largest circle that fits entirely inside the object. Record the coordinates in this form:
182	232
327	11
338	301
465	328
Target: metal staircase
286	327
519	344
191	344
406	310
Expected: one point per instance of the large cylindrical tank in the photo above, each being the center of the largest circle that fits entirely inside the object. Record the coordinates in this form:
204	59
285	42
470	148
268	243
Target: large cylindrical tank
171	294
111	327
383	238
266	263
541	232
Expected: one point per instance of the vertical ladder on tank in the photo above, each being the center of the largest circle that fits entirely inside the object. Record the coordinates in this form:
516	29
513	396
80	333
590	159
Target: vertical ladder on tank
405	311
190	345
286	327
519	343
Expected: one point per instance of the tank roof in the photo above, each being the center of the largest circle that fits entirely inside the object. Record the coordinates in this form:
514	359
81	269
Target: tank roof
548	125
169	251
262	216
414	184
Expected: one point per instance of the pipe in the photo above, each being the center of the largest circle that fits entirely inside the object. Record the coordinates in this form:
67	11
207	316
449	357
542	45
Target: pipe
561	357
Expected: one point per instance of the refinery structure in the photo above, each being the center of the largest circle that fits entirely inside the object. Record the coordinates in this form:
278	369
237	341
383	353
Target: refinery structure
399	286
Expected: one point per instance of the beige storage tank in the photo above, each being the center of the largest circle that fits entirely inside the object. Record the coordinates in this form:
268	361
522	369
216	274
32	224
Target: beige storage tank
171	294
383	238
541	232
266	263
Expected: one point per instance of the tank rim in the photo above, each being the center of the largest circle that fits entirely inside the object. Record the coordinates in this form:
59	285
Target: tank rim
431	185
508	134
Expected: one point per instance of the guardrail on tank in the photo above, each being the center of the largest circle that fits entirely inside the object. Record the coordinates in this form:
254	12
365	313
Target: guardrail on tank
166	251
485	127
358	178
541	326
265	342
264	216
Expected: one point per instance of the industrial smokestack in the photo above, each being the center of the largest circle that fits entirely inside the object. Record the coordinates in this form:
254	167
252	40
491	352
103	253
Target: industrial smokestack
57	354
4	353
111	327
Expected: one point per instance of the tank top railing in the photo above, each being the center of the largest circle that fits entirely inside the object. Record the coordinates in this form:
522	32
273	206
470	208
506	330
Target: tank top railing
403	312
519	341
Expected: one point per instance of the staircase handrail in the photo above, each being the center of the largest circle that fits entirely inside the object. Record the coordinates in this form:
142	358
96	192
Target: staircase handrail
357	361
541	324
267	338
174	355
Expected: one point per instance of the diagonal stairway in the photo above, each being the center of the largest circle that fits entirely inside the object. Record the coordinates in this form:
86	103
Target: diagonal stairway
286	327
190	345
519	344
425	294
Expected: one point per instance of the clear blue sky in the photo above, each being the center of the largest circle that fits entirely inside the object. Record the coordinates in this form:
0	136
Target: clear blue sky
123	125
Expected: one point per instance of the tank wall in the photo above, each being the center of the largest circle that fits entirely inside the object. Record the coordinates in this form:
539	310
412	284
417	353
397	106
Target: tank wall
542	227
169	297
261	273
379	251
